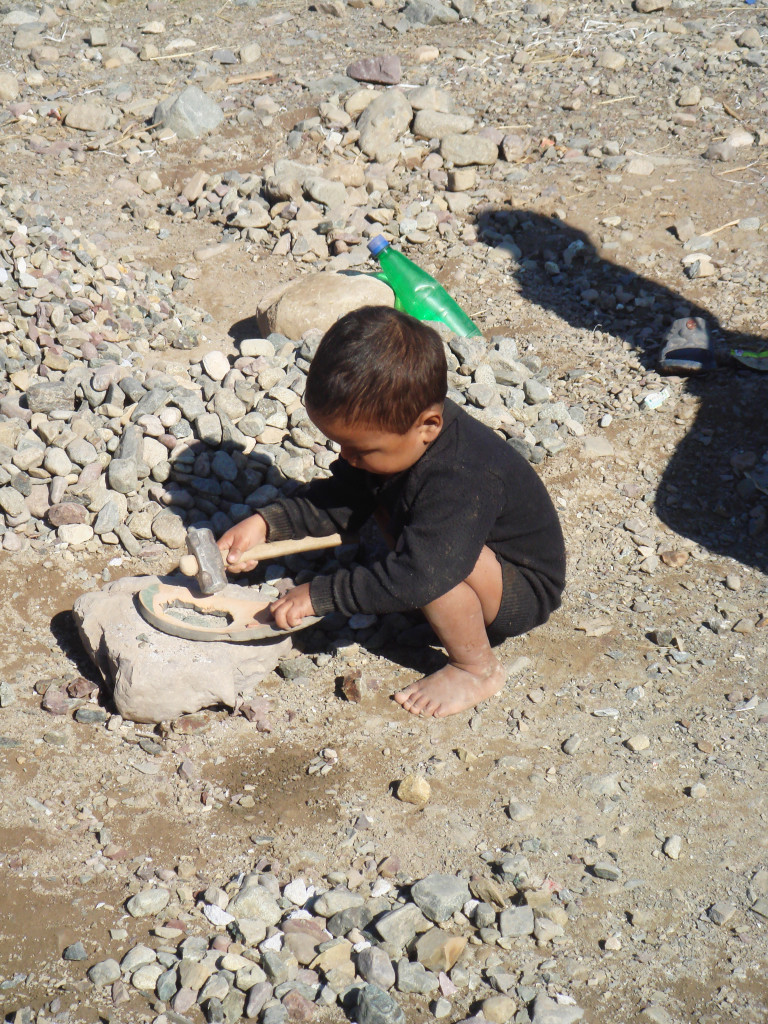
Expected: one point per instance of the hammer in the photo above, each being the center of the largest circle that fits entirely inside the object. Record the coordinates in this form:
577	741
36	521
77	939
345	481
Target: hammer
206	562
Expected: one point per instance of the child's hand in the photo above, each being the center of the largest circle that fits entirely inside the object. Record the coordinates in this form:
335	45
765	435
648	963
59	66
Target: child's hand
292	607
240	538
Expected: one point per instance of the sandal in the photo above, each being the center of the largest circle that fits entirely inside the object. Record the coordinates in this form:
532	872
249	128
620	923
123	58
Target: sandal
688	348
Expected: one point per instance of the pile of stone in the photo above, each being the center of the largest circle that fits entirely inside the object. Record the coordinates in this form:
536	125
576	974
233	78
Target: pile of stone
282	953
313	211
93	448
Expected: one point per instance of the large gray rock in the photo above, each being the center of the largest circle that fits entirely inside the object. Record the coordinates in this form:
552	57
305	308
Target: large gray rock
190	114
157	677
318	301
88	117
468	150
440	896
429	12
383	122
547	1011
434	124
375	1006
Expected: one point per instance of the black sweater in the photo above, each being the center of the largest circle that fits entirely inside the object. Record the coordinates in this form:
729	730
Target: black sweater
469	488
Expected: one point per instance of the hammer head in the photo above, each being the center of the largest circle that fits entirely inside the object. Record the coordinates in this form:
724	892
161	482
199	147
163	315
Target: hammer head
211	574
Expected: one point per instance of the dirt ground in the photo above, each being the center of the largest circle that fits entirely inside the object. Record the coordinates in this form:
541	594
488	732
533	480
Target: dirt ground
596	670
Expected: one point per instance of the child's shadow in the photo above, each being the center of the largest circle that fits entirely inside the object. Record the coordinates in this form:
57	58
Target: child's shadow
707	492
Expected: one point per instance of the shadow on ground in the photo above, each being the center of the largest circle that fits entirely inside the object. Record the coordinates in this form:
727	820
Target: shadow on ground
707	492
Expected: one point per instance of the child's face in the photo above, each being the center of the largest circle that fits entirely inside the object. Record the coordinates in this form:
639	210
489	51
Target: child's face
381	451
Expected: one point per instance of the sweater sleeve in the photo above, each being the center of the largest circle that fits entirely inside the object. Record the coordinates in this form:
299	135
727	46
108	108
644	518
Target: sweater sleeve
341	502
444	532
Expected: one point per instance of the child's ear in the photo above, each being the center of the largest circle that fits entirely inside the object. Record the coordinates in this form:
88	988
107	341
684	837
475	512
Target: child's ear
430	423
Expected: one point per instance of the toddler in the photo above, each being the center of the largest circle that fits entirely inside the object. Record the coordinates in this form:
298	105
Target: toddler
475	540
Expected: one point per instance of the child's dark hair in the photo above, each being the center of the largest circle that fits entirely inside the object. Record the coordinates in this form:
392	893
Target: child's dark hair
377	367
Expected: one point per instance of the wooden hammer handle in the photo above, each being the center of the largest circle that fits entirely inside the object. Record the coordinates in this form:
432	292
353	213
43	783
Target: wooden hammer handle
278	548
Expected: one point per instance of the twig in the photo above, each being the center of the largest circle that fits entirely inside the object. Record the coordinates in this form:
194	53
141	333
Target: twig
555	60
187	53
732	112
714	231
133	129
257	76
616	99
733	170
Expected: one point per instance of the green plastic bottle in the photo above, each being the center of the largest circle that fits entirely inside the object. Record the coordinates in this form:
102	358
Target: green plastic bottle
417	293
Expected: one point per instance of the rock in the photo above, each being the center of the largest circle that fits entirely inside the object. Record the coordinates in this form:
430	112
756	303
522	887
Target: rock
414	978
690	97
375	1006
88	117
499	1009
672	847
374	966
216	364
137	957
640	166
380	70
519	811
398	927
649	6
468	150
318	300
336	901
414	789
440	896
637	743
169	529
572	744
438	950
434	124
189	115
75	534
75	952
516	921
597	447
740	138
429	12
611	60
253	901
547	1011
607	869
383	122
9	86
49	396
721	913
148	902
105	972
157	677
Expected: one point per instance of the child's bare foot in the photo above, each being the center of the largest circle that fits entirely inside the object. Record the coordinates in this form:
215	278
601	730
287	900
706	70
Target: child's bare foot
452	690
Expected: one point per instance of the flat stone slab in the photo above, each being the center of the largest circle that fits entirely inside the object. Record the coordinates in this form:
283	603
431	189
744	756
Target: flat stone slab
156	677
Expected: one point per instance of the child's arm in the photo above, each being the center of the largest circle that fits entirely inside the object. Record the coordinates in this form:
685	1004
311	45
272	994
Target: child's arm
339	503
240	538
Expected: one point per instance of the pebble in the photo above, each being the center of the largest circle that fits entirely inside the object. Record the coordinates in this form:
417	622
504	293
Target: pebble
104	973
414	789
721	913
672	847
75	952
150	901
637	743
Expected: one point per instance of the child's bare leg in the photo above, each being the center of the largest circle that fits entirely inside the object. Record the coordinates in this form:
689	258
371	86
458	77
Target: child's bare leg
459	618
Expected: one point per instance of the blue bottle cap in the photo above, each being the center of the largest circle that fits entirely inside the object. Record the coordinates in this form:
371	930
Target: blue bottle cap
377	244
